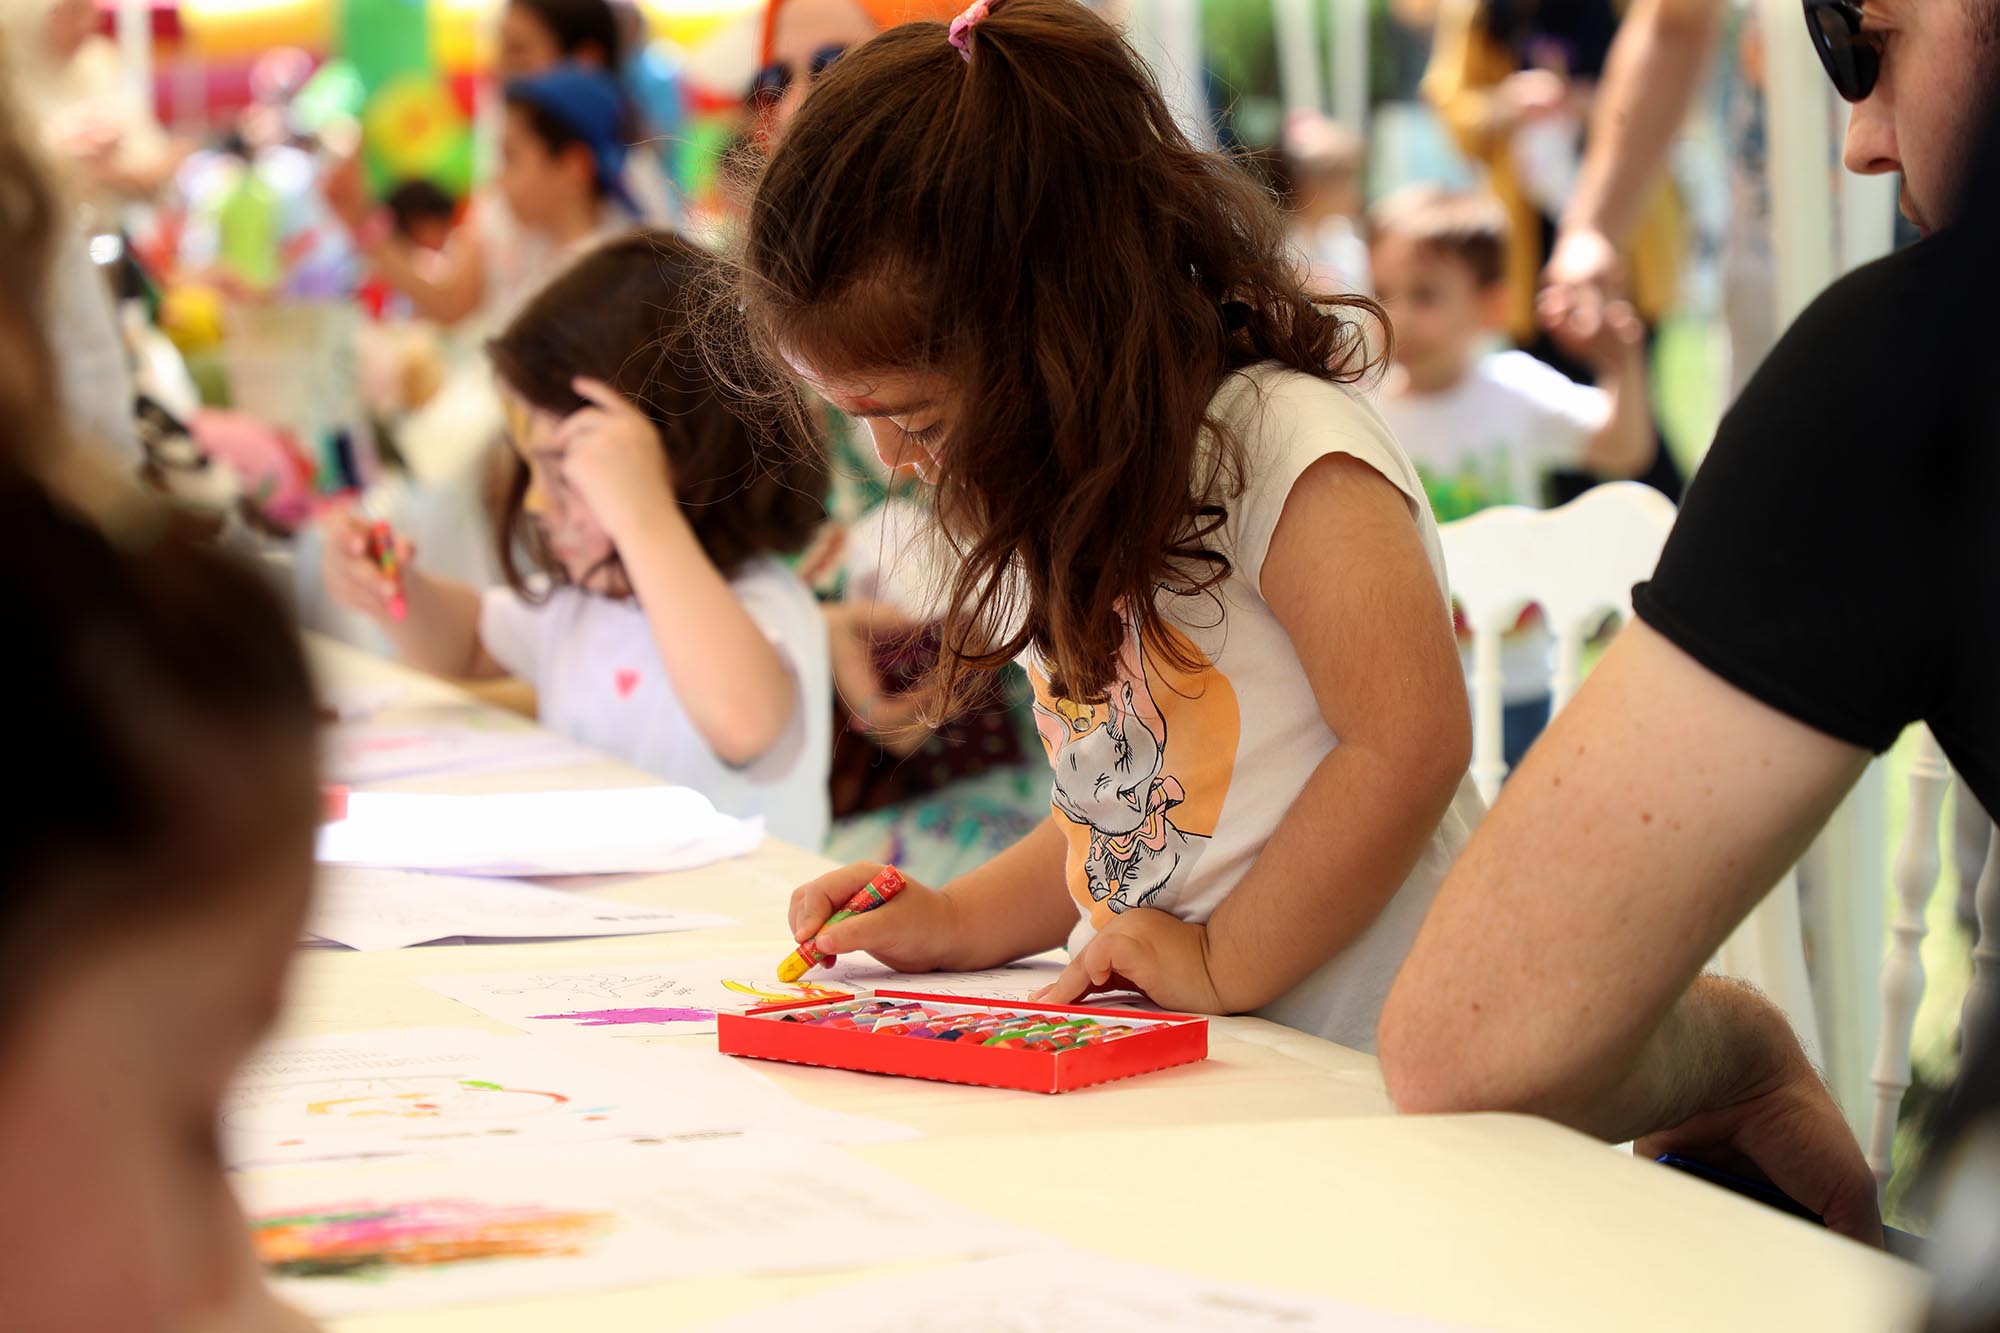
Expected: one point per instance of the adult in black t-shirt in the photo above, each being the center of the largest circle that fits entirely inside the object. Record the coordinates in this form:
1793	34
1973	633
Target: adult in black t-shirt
1834	576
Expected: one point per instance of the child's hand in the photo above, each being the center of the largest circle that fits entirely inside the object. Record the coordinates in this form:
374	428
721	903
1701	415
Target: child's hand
614	459
1153	952
912	933
354	577
1615	342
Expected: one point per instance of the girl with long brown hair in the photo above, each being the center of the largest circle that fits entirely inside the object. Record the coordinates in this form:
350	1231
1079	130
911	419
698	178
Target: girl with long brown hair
656	623
993	244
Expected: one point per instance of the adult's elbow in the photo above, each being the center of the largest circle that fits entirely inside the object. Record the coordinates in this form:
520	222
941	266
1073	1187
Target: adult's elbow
1429	1068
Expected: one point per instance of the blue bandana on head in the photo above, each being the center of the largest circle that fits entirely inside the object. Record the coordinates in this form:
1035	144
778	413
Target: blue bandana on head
587	103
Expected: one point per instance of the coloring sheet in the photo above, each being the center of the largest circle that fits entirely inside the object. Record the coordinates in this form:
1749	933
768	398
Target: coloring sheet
443	739
450	1091
678	995
615	831
367	909
1063	1291
397	1236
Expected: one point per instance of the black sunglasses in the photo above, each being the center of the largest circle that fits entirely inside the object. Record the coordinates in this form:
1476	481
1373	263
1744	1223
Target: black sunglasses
771	83
1853	60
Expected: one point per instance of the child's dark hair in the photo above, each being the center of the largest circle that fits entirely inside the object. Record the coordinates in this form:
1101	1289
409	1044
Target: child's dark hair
170	717
1032	225
557	135
419	200
578	26
748	470
1466	226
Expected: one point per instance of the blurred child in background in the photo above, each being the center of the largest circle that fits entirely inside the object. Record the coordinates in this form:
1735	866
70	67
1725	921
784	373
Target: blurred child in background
563	154
656	623
1325	168
1487	426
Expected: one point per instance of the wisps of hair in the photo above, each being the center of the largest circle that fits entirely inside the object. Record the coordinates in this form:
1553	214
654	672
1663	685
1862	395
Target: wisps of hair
1033	226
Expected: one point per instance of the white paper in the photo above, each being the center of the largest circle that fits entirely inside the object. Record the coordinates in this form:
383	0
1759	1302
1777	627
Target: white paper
680	995
352	702
385	742
401	1236
453	1092
1064	1291
365	908
615	831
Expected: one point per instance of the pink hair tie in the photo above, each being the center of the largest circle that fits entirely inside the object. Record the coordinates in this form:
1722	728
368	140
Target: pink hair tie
962	26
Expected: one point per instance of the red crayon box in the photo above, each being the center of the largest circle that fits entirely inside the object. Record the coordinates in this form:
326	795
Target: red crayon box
944	1037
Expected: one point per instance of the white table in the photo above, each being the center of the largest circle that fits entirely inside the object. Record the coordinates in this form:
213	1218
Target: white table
1276	1161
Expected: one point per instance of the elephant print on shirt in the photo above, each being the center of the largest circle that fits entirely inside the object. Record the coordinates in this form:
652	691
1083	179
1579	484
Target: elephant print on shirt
1123	783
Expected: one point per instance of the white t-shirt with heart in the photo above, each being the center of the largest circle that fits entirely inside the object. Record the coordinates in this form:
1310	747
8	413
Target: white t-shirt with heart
600	683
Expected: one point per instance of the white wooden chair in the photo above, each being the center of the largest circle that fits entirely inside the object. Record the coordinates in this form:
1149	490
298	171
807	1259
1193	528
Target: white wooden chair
1578	563
1915	879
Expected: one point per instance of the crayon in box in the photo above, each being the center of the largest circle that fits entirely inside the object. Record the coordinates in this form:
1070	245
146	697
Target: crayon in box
787	1032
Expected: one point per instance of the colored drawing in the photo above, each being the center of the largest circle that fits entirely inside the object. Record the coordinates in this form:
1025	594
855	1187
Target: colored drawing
638	1000
446	1103
784	992
610	1018
368	1241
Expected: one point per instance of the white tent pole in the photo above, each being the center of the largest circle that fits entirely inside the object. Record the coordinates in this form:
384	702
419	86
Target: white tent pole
135	49
1298	56
1347	63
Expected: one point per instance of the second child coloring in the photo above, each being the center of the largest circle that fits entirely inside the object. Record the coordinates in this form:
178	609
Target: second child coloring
993	244
655	621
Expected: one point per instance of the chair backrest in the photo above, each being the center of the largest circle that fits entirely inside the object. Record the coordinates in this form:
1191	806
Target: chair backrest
1914	879
1577	563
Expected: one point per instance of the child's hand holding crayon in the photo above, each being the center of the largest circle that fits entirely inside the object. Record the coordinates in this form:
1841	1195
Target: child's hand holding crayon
1155	953
365	565
915	933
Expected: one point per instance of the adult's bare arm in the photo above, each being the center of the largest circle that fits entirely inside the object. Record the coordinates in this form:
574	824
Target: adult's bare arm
1556	973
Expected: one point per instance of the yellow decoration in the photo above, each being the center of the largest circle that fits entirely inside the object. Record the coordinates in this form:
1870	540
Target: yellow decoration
413	125
191	317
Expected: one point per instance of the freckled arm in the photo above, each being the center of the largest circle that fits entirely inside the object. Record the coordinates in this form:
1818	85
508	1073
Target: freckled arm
1556	972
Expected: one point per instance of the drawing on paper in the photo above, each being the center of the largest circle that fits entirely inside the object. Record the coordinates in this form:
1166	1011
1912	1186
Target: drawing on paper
616	1018
785	992
372	1241
440	1102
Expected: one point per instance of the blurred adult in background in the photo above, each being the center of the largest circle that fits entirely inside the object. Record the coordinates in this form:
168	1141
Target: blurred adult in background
1515	81
801	38
1810	603
71	83
1650	76
76	316
1656	66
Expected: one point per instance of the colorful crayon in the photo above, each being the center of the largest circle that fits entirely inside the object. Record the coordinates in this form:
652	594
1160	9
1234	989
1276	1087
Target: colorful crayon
877	891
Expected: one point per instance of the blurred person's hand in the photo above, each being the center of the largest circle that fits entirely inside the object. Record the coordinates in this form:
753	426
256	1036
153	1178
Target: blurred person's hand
853	629
353	572
1529	95
347	192
1616	339
1583	277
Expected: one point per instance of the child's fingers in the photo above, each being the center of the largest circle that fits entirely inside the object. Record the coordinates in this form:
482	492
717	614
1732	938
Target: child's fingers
1075	981
597	391
812	903
873	932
